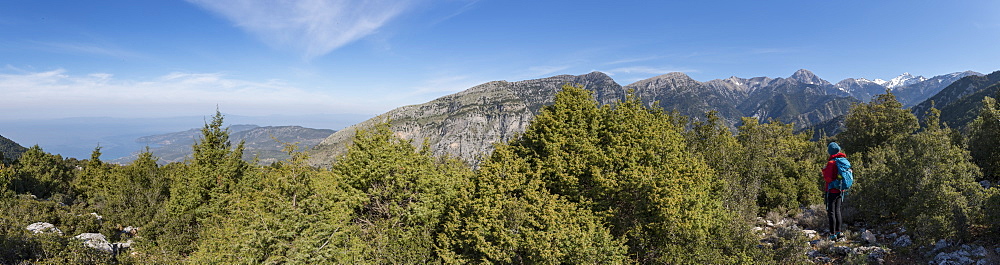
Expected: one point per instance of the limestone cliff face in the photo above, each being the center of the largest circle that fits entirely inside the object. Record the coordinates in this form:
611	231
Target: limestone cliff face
468	123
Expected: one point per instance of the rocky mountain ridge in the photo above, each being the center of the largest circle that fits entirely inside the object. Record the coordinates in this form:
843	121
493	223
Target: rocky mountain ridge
909	90
467	124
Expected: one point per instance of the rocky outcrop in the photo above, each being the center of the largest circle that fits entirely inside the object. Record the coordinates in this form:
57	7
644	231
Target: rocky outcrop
43	227
100	242
95	241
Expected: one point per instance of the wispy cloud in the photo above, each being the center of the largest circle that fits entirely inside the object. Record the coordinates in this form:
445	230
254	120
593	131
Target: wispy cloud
544	70
633	60
647	70
445	84
313	27
85	48
57	93
468	6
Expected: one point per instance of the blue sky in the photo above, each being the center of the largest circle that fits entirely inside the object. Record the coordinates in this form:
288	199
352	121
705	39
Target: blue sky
174	58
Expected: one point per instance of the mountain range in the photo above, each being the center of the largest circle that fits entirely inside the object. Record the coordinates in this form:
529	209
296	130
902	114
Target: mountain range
265	144
466	124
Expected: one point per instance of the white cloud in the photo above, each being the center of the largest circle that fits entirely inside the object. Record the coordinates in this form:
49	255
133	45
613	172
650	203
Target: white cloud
313	27
53	94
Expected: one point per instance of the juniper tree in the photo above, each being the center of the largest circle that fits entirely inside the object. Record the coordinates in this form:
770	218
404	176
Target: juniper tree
404	195
868	125
42	174
922	180
779	167
630	165
984	139
199	190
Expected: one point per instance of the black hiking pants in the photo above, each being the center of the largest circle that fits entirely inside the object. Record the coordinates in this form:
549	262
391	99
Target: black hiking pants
833	211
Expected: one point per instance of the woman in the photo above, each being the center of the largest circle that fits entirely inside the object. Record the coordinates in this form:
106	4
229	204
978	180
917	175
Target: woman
834	197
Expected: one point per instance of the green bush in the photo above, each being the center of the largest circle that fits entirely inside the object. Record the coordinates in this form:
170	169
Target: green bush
991	211
924	181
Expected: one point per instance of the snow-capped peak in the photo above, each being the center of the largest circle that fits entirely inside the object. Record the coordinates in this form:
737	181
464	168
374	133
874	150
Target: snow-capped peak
863	80
902	80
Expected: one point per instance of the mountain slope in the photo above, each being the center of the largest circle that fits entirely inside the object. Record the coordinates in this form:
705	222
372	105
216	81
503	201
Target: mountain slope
965	88
861	89
909	90
468	123
959	102
677	91
10	150
961	112
264	143
916	93
802	99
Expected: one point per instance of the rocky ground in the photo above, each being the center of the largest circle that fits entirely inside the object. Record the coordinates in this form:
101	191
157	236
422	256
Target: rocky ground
805	234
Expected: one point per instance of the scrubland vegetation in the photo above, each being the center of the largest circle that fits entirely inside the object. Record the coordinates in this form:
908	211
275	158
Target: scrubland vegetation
586	183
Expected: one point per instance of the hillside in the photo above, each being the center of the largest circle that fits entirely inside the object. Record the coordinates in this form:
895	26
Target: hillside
960	102
961	112
264	143
9	150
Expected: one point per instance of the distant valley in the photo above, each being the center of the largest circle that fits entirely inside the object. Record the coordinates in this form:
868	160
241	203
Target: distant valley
265	144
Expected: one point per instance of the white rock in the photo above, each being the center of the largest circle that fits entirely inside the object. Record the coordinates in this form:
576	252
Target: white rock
868	236
130	230
96	241
842	250
875	254
810	233
97	216
43	227
986	184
